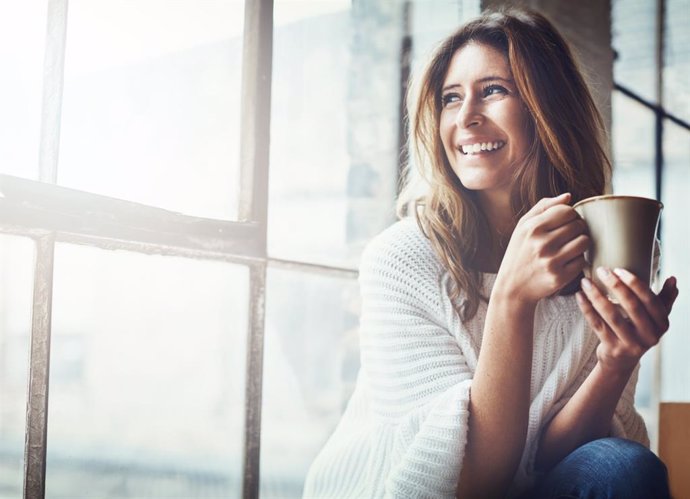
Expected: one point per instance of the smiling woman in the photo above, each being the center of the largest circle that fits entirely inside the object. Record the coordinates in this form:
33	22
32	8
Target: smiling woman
475	294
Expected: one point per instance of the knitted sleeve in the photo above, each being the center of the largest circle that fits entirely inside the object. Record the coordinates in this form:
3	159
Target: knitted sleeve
418	378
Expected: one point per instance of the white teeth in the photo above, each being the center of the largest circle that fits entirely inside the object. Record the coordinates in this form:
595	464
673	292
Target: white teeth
481	146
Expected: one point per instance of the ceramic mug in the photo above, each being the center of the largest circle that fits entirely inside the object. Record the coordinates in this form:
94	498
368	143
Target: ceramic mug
622	230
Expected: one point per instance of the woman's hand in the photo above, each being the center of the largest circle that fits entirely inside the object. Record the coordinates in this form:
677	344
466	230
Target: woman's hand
632	327
545	252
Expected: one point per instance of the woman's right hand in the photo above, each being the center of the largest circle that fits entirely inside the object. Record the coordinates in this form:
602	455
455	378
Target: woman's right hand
545	252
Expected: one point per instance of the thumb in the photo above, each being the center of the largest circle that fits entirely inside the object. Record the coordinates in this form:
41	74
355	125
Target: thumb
669	293
545	203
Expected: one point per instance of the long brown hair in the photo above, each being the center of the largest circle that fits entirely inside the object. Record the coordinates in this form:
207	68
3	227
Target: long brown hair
566	152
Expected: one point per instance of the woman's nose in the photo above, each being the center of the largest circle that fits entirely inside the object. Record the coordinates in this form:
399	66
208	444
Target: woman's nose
469	114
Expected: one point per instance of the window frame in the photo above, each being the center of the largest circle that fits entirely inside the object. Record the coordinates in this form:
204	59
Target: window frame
661	114
48	214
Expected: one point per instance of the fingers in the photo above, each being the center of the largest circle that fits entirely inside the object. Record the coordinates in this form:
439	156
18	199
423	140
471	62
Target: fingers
574	246
669	293
594	319
546	203
653	305
609	313
562	223
645	312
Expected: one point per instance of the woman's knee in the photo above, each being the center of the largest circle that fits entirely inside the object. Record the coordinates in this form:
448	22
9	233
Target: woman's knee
608	467
626	457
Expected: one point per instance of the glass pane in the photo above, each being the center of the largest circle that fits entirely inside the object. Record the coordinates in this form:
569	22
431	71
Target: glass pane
16	289
675	374
311	360
677	58
335	121
633	174
633	34
22	41
151	103
147	376
633	147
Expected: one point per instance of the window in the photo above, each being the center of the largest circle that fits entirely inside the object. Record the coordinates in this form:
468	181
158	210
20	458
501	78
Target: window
651	133
186	309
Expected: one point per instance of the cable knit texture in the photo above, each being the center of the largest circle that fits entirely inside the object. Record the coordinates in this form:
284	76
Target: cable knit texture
404	431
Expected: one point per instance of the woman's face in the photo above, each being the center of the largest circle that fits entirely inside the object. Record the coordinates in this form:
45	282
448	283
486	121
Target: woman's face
484	124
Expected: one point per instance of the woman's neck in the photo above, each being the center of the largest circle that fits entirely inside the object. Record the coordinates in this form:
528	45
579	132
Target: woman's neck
498	212
499	225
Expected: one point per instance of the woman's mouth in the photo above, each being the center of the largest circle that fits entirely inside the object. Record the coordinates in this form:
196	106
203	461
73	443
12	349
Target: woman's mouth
479	147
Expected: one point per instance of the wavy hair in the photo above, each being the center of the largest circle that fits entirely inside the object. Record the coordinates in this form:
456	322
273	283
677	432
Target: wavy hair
566	151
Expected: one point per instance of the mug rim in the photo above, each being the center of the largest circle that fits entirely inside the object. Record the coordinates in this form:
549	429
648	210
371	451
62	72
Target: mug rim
617	196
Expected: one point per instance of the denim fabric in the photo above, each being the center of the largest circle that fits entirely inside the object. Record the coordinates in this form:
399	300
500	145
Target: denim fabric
606	469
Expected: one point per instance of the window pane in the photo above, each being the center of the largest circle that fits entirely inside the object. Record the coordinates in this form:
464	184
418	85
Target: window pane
22	41
151	103
147	376
311	360
675	374
633	174
16	286
633	147
633	34
677	58
335	121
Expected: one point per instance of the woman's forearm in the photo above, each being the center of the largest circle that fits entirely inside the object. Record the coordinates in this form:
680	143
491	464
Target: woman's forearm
499	400
585	417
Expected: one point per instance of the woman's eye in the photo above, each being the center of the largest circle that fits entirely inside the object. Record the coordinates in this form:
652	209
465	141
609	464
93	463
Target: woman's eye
449	99
494	90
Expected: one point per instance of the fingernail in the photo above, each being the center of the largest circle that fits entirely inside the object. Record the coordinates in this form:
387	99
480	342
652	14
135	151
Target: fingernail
622	273
580	299
603	273
586	283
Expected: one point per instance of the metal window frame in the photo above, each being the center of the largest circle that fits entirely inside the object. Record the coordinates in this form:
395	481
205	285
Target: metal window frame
48	213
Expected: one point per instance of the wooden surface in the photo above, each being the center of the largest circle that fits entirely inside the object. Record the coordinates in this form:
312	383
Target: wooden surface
674	446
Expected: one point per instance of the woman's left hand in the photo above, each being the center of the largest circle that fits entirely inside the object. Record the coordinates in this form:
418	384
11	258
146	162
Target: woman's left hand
627	330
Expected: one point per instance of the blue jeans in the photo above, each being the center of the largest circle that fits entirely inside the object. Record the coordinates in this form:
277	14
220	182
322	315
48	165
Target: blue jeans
606	469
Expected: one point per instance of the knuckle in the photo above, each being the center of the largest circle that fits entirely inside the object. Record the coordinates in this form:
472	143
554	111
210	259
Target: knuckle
531	227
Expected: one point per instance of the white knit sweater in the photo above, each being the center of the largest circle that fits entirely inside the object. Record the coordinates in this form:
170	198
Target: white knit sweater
404	431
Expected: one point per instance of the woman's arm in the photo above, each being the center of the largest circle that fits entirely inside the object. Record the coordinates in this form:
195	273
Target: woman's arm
588	414
544	254
499	400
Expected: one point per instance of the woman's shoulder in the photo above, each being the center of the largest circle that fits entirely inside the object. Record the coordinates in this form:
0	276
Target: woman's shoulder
401	248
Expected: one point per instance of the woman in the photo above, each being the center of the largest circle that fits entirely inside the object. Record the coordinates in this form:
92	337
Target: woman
484	373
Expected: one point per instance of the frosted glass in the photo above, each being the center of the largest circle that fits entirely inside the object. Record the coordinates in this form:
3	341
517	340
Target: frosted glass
151	104
311	361
22	42
147	376
16	289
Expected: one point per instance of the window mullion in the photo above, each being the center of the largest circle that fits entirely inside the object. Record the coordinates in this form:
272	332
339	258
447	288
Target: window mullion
254	158
39	371
53	78
256	110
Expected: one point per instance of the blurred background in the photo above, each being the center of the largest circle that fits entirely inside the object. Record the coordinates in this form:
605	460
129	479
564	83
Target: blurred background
132	112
